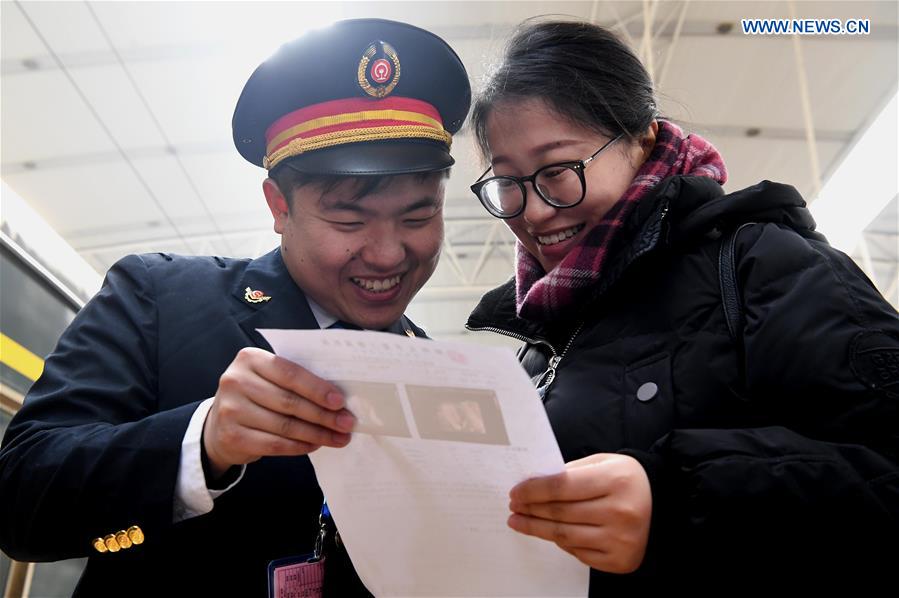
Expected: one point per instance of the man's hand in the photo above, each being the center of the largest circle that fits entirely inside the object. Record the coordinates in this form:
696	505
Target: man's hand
598	509
266	405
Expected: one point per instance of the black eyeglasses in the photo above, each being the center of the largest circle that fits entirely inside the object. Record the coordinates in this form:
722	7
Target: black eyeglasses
561	185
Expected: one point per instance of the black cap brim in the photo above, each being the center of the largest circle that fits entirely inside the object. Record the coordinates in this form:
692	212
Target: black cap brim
375	159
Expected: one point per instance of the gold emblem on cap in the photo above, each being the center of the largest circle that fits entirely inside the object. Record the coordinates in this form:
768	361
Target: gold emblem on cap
255	296
378	91
99	545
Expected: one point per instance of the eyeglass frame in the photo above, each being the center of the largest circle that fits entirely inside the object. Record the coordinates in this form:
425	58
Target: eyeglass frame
578	166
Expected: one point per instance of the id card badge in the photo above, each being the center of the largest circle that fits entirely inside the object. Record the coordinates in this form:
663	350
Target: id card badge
296	577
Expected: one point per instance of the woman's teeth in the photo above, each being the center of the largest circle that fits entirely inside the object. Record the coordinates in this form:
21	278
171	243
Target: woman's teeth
559	237
377	285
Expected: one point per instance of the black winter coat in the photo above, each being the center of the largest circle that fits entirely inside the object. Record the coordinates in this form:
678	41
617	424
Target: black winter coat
773	455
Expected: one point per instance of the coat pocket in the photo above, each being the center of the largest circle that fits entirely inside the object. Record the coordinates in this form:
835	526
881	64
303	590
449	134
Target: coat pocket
648	400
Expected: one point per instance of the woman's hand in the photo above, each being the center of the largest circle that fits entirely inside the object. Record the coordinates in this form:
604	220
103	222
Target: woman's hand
598	509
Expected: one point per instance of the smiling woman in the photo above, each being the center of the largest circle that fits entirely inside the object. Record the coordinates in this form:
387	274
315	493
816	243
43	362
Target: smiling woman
696	451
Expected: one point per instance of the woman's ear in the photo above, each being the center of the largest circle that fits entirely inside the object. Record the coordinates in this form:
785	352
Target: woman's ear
648	140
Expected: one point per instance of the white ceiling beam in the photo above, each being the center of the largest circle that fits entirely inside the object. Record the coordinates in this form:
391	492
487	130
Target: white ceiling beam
866	265
455	265
658	29
594	9
485	251
864	181
678	28
891	295
621	24
646	45
805	98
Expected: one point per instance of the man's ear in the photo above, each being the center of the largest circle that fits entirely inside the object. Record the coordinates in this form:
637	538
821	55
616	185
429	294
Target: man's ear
277	204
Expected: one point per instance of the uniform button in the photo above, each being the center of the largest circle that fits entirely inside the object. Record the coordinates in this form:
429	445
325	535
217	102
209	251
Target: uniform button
647	391
99	545
135	535
111	543
122	538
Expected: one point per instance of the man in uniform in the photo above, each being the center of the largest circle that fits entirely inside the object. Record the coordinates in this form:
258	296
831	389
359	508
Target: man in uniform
164	439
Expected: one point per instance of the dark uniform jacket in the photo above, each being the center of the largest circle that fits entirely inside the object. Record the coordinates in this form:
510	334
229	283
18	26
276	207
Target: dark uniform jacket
771	456
96	446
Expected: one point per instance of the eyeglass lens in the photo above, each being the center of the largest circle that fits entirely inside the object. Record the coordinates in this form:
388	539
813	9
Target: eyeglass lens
559	184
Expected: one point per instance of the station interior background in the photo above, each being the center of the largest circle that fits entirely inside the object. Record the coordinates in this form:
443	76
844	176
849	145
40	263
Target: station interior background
116	139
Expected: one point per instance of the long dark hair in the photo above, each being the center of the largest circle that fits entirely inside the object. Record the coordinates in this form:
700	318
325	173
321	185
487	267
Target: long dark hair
582	71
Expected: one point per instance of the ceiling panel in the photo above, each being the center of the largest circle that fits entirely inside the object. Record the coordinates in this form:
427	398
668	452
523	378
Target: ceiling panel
170	185
231	186
173	87
753	81
119	106
879	11
68	27
466	170
44	117
19	41
106	199
750	160
189	61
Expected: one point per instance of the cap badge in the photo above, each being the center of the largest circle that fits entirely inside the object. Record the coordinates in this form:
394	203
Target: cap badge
255	296
379	69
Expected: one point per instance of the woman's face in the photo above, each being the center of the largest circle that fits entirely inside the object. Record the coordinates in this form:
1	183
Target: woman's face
526	135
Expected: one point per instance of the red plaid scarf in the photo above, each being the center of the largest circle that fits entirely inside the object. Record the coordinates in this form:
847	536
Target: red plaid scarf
545	297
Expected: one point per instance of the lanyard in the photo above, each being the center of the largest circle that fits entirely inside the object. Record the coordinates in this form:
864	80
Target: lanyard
323	519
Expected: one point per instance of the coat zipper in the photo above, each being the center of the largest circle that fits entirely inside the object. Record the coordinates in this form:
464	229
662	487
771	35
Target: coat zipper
514	335
553	361
550	373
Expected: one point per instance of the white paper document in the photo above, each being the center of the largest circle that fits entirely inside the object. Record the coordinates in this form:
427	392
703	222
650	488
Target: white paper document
421	493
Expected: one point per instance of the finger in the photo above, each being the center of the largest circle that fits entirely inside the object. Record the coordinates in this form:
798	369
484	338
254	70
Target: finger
607	561
263	444
565	534
580	483
294	377
274	398
583	511
596	559
285	426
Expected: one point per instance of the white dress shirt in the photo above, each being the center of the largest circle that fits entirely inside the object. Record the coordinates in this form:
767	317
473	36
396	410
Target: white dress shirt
192	496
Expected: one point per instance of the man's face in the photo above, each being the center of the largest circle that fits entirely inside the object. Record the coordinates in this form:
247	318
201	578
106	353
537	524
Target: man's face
361	259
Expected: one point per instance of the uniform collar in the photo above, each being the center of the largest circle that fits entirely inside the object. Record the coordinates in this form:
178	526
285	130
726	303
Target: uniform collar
324	318
269	298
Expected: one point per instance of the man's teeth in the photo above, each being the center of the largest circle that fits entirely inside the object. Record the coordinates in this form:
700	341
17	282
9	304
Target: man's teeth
558	237
377	285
